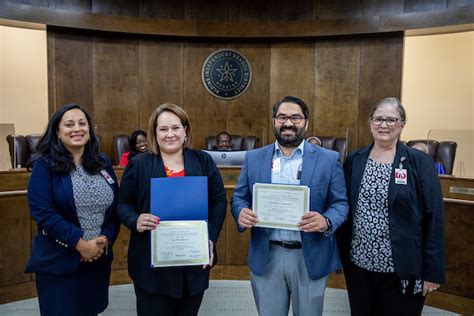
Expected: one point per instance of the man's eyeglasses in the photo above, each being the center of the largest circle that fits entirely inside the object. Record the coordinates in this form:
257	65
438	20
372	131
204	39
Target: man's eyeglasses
390	121
295	118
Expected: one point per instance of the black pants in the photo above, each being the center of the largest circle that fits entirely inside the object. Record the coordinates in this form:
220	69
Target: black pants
375	293
149	304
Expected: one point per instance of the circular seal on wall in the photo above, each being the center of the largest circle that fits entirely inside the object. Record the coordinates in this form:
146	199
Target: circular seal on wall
226	74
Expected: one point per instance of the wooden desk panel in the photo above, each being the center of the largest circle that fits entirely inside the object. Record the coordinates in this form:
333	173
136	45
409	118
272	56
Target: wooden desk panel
17	229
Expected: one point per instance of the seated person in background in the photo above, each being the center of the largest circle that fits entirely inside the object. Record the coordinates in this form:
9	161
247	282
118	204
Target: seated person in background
224	141
421	147
138	145
314	140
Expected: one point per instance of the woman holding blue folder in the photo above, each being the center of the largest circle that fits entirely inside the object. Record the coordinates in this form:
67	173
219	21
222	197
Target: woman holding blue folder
171	290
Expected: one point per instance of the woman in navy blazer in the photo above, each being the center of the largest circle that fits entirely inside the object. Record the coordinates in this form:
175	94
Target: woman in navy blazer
72	196
392	246
172	290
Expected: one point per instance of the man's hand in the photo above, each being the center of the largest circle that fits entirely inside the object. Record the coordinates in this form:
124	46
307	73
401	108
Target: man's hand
247	218
211	255
147	221
313	222
429	287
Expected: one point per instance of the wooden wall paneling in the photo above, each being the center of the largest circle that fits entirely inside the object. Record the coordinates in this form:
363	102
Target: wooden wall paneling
336	86
459	3
15	235
215	10
237	244
71	73
376	7
51	55
459	221
339	9
121	249
248	114
162	9
380	77
72	5
206	113
116	7
115	87
292	72
161	76
271	10
35	3
424	5
222	241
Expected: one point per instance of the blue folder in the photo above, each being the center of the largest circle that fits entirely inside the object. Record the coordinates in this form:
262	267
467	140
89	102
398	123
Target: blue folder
179	198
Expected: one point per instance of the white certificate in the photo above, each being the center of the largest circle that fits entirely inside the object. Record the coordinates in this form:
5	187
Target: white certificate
179	243
280	205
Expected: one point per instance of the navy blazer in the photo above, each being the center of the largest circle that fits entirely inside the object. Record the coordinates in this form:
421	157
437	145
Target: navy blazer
134	199
415	210
51	201
322	172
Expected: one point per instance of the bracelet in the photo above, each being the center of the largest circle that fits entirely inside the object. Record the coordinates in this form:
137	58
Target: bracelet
328	222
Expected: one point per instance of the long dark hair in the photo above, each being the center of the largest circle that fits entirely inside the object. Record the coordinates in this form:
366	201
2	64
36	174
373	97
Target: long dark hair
133	142
53	149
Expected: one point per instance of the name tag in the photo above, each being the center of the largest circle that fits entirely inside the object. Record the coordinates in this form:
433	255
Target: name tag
401	176
276	165
107	177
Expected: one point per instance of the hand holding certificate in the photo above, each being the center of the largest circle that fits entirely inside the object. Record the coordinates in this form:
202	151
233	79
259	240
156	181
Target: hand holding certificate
181	238
280	206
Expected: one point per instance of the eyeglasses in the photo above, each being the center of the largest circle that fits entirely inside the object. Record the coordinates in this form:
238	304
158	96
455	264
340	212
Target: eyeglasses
390	121
295	118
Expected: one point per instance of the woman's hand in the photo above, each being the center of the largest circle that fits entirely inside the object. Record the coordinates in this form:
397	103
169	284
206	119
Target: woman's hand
211	255
91	250
429	287
147	221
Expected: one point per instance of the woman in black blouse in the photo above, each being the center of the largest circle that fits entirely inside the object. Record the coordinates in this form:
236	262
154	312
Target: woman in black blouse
392	246
172	290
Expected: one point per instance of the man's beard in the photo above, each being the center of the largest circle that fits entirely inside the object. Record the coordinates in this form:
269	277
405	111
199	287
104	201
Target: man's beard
290	141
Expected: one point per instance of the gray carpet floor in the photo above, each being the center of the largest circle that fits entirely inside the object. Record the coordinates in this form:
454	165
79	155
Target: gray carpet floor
229	298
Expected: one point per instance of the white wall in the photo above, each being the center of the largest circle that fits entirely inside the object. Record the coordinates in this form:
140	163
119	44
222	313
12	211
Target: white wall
23	79
437	86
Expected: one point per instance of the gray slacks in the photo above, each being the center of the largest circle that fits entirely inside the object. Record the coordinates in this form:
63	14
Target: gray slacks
286	278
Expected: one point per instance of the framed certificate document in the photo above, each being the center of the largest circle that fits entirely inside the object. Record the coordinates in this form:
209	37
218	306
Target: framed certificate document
179	243
280	205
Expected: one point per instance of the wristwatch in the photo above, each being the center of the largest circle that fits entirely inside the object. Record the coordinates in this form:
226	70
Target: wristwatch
328	222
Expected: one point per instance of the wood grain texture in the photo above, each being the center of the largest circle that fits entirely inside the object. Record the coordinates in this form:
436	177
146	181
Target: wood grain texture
73	5
206	113
248	114
15	235
459	261
116	7
162	9
115	87
376	7
380	77
271	10
330	9
336	87
424	5
161	76
71	71
292	73
216	10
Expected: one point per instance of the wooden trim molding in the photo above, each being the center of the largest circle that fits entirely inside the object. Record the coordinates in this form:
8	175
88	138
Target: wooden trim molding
230	29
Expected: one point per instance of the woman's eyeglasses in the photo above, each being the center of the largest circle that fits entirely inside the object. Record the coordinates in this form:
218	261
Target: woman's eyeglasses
390	121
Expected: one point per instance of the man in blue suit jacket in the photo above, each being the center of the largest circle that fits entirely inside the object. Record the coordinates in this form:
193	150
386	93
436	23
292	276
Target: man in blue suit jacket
292	264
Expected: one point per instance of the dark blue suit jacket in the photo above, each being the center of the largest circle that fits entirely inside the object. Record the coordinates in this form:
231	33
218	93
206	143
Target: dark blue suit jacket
51	201
322	172
416	215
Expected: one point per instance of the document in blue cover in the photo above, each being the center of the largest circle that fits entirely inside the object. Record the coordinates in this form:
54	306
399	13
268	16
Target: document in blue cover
179	198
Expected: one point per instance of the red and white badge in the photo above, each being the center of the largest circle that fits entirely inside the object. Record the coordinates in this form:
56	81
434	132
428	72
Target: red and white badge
401	176
276	165
107	177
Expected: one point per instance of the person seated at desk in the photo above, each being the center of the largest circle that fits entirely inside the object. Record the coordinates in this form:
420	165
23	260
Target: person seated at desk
314	140
421	147
224	141
138	145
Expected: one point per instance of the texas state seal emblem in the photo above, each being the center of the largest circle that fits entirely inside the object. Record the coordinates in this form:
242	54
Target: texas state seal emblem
226	74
